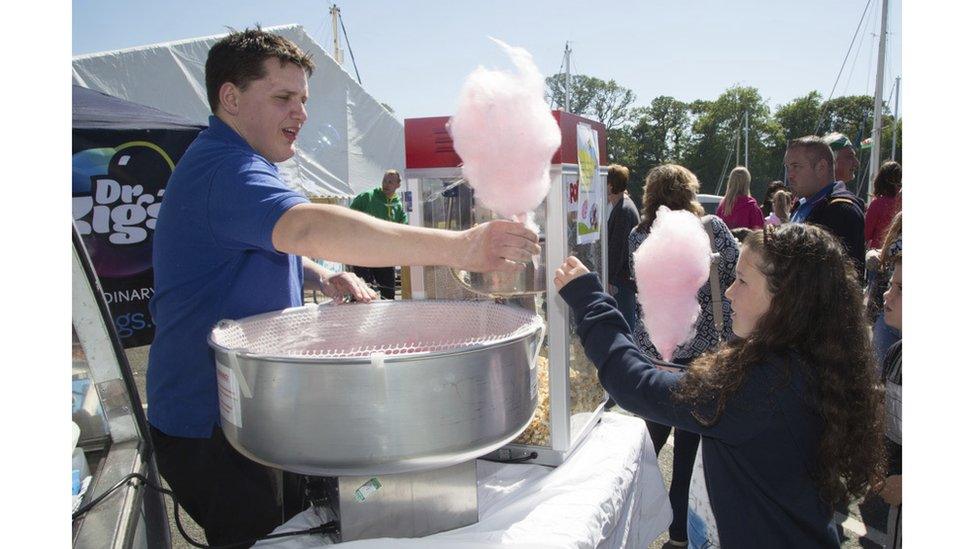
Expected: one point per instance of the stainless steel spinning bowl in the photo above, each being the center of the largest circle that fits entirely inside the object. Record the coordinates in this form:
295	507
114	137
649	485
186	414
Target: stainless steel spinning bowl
380	388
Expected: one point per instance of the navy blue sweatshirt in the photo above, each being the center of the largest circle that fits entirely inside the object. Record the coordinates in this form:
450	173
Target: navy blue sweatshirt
842	213
758	458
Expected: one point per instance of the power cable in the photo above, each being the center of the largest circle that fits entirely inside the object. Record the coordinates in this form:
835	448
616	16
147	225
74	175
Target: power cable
327	528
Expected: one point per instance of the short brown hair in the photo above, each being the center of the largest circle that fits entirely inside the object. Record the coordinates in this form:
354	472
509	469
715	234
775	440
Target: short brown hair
239	57
617	177
669	185
816	150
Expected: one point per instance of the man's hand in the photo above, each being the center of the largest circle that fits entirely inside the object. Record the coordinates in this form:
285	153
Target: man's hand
571	269
498	245
338	286
891	490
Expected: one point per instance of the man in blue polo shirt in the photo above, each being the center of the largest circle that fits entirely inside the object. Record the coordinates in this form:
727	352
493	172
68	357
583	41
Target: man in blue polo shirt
810	171
231	240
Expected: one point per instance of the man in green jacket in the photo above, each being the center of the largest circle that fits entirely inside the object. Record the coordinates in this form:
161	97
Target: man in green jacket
383	203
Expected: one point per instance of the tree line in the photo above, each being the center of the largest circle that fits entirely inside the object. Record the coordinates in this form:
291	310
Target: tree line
702	134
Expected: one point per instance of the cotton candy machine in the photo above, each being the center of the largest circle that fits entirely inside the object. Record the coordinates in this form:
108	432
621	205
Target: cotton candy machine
379	388
571	220
396	398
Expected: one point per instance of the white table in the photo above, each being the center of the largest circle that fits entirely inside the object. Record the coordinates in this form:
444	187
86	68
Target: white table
608	494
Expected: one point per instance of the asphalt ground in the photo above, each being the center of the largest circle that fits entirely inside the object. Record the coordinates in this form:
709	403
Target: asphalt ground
861	524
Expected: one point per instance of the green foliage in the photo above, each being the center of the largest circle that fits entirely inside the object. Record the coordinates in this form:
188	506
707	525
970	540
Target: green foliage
582	91
799	117
701	134
607	102
715	128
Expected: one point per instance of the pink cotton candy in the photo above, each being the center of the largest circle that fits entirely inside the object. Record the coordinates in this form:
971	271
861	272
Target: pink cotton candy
669	268
505	135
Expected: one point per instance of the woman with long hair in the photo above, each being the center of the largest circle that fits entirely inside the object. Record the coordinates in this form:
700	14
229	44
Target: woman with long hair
738	208
790	412
885	203
676	187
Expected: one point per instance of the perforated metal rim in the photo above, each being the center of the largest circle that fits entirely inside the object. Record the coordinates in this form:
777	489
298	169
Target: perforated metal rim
510	323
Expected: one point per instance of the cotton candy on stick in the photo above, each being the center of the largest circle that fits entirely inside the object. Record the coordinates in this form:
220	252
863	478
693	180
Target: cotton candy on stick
670	266
506	136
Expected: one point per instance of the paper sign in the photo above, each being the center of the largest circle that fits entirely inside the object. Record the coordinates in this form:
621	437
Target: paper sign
229	395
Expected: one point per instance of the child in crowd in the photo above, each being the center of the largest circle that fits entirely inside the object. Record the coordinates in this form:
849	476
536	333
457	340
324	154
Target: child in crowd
789	414
890	491
781	209
880	268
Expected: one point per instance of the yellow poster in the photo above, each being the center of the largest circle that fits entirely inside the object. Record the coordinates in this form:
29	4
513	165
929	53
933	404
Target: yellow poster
588	213
587	154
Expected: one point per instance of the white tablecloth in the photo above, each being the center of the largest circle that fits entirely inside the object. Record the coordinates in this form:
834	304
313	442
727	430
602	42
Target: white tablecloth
608	494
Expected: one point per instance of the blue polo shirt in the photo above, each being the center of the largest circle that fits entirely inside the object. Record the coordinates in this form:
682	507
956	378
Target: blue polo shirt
212	260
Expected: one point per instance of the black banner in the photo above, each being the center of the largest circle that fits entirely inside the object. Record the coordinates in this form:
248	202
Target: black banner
118	179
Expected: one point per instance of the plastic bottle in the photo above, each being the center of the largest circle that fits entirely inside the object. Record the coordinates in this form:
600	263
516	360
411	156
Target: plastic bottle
79	464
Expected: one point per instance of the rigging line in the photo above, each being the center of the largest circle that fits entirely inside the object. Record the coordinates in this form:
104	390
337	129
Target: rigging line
873	57
841	71
872	68
890	93
857	55
728	157
552	98
888	72
575	71
348	45
321	28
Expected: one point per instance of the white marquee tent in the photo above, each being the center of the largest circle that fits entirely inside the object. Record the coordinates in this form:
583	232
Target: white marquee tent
349	140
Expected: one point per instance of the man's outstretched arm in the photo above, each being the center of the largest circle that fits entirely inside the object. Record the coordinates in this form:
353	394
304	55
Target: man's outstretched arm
339	234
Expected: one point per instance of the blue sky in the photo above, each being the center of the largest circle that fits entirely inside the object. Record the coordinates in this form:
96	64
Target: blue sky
414	55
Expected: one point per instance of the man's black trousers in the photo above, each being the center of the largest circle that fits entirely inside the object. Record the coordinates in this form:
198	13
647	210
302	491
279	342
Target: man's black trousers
231	497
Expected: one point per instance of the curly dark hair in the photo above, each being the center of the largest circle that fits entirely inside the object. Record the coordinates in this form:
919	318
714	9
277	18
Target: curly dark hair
239	58
816	312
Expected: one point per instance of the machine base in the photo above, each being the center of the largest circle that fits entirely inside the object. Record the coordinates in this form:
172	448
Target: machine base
405	505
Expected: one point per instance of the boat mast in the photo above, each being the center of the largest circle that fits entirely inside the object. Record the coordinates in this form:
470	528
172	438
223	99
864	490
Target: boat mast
894	124
878	85
747	140
566	54
336	50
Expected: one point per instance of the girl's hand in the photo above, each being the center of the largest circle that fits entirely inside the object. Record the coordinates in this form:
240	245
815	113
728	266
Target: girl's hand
571	269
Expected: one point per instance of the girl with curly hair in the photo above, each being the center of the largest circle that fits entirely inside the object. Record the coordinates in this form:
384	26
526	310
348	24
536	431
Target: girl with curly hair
790	411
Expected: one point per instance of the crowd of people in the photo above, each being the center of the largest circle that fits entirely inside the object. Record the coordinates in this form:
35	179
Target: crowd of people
775	402
776	399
